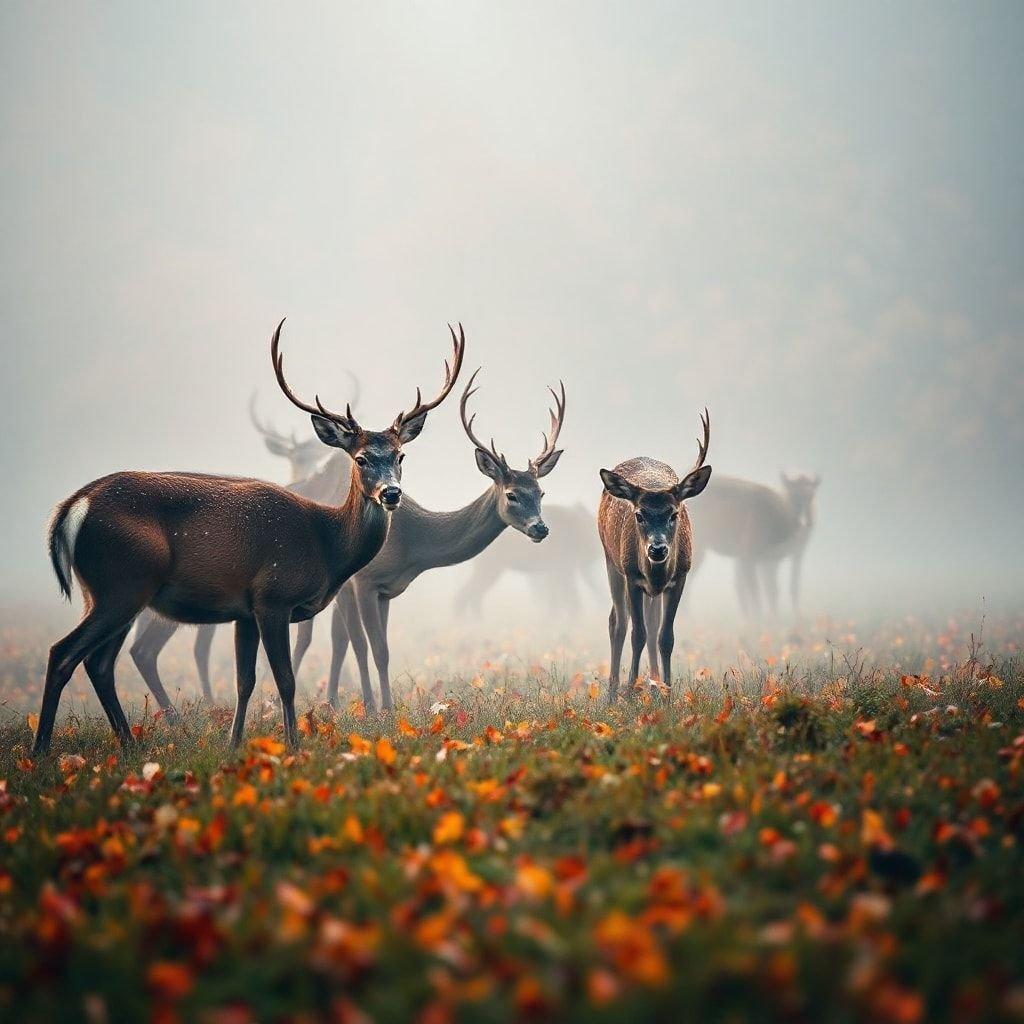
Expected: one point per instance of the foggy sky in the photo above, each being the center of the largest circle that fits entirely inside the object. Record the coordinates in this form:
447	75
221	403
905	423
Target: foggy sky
807	217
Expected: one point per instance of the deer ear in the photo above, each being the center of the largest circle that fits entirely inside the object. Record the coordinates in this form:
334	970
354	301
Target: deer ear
547	464
409	429
489	465
618	486
334	434
692	484
276	446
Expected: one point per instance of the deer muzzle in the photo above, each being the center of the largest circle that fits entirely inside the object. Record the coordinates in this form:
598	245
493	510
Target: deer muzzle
390	498
537	531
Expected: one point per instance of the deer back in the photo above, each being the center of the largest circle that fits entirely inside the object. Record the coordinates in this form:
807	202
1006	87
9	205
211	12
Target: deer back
742	519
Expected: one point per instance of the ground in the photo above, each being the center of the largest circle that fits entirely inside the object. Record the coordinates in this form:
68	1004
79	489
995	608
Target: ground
827	829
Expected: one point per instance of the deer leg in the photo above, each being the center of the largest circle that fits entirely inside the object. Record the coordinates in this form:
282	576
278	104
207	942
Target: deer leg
794	581
652	615
151	636
201	650
277	643
638	635
339	648
303	638
470	597
770	580
746	588
247	644
98	626
356	636
667	634
99	664
371	611
616	629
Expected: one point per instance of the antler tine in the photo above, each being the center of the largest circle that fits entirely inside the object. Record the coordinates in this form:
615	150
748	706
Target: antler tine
451	375
319	409
467	424
265	429
557	419
358	389
702	446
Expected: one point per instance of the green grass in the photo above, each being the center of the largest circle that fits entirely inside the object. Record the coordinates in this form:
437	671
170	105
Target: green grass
812	839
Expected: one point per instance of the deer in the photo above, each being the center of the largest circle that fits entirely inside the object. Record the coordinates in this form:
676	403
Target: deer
206	549
421	539
759	527
570	557
312	477
648	545
329	485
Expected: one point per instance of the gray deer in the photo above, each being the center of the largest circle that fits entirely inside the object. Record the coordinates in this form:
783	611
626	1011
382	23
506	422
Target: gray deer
758	527
421	539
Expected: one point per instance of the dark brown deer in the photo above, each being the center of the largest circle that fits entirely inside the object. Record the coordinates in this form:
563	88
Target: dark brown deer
200	548
648	546
327	483
421	539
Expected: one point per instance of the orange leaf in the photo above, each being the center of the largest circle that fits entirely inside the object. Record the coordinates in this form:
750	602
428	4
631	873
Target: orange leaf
385	751
449	828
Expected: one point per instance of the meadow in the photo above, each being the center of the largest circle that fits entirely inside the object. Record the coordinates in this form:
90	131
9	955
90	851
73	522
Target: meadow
827	828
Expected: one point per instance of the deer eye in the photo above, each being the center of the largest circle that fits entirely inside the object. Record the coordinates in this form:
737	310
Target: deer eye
510	497
361	460
639	516
673	517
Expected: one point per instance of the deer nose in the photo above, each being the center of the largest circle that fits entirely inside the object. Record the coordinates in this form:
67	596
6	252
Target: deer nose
391	497
537	532
657	552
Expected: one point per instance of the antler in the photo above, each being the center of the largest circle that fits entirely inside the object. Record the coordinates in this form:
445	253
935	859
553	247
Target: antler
557	418
468	424
346	420
451	374
702	446
265	429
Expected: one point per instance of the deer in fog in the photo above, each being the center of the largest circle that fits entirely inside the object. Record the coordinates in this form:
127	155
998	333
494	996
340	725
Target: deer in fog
648	546
327	483
758	527
206	549
570	557
421	539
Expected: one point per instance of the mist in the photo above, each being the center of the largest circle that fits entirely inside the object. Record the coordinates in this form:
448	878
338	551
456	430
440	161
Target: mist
806	218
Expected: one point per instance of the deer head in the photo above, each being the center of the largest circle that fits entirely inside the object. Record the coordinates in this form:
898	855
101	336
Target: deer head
656	513
517	491
801	489
377	455
302	456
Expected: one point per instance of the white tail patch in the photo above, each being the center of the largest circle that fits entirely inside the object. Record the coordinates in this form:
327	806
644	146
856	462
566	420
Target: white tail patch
72	524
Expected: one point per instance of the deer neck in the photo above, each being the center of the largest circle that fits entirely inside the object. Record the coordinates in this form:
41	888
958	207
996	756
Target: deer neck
359	528
448	538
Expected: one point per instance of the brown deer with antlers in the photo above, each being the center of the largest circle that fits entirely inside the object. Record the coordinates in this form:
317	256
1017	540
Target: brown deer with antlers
199	548
648	546
327	483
